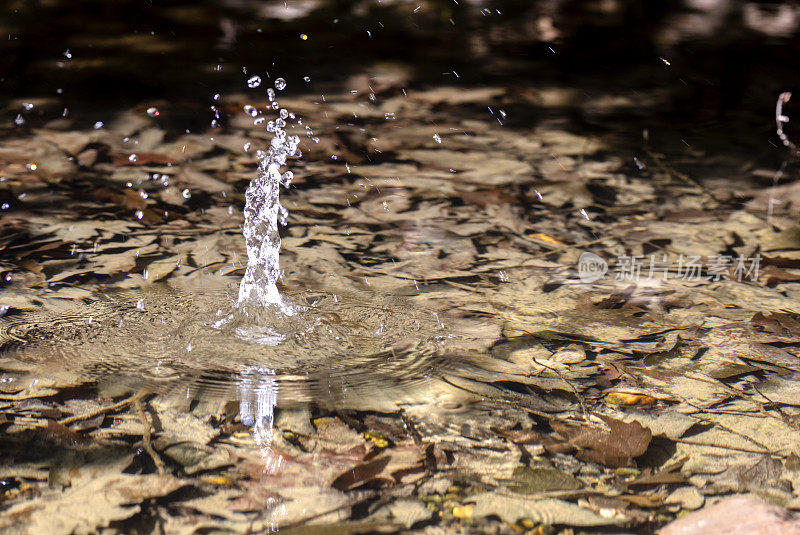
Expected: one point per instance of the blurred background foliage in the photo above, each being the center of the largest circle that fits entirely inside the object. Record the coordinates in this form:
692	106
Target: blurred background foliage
719	60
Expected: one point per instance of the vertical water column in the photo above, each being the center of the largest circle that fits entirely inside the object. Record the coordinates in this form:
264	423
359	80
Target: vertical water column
262	212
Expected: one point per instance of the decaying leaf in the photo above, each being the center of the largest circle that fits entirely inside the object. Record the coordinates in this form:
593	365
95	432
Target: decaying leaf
616	447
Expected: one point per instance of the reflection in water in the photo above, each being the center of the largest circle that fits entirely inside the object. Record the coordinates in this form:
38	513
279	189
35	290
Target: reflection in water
258	394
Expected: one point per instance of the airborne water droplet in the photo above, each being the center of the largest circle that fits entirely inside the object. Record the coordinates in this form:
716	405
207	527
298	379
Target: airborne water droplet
98	125
186	194
253	82
280	84
20	120
437	138
132	158
307	78
153	112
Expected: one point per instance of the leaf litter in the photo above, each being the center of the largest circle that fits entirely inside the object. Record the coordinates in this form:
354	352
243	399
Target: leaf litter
621	404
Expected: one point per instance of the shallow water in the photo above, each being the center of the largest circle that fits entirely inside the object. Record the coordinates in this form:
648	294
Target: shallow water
441	357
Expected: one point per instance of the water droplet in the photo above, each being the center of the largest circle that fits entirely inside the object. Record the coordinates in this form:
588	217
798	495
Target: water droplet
284	113
437	139
132	158
143	194
304	37
98	125
186	194
247	146
280	84
28	106
32	166
286	178
189	347
140	304
139	214
153	112
389	116
216	96
275	105
280	123
253	82
270	94
252	111
4	206
68	54
20	120
306	78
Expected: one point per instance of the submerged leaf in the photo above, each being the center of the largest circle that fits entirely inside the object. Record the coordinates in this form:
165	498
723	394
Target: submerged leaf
616	447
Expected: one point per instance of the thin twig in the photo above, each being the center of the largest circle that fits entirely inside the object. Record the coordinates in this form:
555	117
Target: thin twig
572	387
148	447
726	447
101	410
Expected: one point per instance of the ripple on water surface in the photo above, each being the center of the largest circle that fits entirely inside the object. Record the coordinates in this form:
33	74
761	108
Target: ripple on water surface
164	339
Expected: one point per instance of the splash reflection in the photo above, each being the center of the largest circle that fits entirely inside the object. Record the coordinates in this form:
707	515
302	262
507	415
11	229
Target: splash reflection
258	394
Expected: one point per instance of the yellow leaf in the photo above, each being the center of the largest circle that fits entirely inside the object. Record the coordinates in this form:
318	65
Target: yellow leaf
546	238
377	439
624	398
463	511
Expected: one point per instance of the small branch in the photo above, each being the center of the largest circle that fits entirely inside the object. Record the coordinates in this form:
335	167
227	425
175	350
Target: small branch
148	447
101	410
568	383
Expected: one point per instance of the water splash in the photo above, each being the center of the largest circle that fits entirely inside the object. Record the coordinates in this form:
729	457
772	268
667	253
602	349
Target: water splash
258	289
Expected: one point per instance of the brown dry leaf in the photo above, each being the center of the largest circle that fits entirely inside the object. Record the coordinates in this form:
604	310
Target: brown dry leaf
395	465
616	447
361	473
